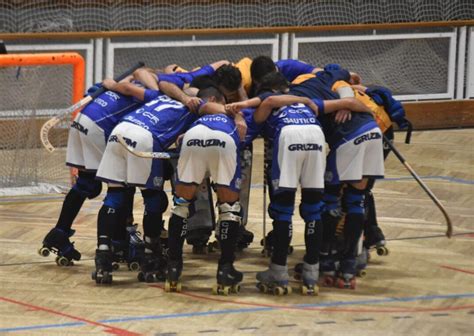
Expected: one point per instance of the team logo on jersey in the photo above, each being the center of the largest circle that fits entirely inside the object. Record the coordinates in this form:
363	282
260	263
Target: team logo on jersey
79	127
305	147
158	181
367	137
128	141
328	176
205	143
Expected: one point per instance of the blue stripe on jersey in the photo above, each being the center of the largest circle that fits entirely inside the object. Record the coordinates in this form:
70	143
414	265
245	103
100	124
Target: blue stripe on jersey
291	68
253	129
164	117
108	108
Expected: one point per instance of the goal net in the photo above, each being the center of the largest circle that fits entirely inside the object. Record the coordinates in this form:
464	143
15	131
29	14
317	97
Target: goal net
30	95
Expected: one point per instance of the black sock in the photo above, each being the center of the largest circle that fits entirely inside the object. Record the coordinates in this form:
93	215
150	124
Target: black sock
353	228
152	224
106	221
227	235
177	228
281	238
313	235
71	206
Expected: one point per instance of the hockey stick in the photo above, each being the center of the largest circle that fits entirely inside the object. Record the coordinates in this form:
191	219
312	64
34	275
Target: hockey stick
449	231
265	168
48	125
146	155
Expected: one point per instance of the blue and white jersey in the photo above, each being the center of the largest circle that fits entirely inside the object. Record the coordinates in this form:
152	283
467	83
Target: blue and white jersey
164	117
291	68
220	122
296	114
253	129
109	108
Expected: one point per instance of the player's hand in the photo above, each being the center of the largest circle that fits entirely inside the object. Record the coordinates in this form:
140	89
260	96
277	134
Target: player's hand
233	109
342	116
109	84
192	103
241	126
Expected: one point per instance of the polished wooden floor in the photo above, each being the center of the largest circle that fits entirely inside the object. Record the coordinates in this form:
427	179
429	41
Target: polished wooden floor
424	287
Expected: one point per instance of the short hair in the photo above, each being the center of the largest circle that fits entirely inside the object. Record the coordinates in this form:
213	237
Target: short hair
261	65
202	82
274	81
211	91
228	76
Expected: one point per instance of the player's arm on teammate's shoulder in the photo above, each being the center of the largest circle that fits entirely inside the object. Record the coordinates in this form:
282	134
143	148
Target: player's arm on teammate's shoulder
173	91
147	77
234	108
275	101
218	64
125	88
343	108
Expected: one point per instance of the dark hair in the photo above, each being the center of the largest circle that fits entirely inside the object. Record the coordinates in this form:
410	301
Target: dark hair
201	82
210	91
273	81
228	76
261	65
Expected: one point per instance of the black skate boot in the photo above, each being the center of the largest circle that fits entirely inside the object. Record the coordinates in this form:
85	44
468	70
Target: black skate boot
136	248
103	267
172	284
275	280
119	253
228	279
245	238
57	242
267	244
347	272
153	264
374	238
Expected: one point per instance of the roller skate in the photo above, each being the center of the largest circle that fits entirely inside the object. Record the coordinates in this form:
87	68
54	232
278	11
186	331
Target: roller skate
274	280
309	277
374	238
172	284
245	238
57	242
267	244
199	238
130	252
119	253
346	276
327	270
361	263
103	267
228	279
164	242
153	264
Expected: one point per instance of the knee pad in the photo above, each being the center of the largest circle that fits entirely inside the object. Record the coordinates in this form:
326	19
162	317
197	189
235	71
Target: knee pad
115	197
311	211
230	212
332	199
181	207
155	200
87	185
282	206
354	200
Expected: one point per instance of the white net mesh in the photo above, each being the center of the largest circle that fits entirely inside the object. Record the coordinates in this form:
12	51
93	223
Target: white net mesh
95	15
29	96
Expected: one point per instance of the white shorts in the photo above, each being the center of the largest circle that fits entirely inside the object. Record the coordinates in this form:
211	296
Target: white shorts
301	158
86	144
206	151
359	156
120	166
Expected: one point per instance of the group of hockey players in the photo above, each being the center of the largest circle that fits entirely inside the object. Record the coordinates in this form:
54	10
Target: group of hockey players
324	133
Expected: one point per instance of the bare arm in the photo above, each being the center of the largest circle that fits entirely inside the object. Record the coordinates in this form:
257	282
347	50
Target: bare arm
147	78
171	90
125	88
273	102
350	104
218	64
249	103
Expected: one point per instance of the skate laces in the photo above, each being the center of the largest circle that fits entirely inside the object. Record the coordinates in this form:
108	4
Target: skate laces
134	234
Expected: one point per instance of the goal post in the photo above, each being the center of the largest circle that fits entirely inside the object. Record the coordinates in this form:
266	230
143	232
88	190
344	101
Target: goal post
34	87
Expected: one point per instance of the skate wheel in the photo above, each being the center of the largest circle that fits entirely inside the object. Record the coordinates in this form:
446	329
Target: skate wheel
94	275
362	273
328	281
141	277
178	287
288	290
134	266
382	251
304	290
115	266
167	286
352	284
215	289
290	250
278	291
62	261
340	283
235	289
44	252
149	277
262	287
